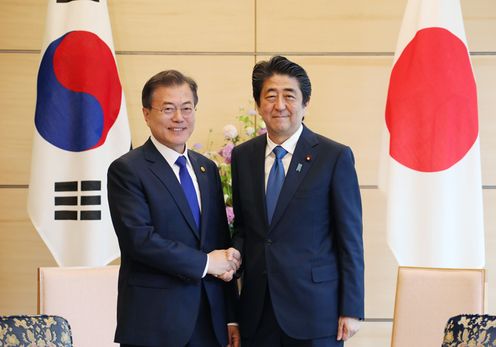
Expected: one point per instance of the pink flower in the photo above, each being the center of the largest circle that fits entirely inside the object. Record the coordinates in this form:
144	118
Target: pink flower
230	214
226	151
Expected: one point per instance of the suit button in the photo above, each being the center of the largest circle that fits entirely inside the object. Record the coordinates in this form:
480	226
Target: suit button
268	242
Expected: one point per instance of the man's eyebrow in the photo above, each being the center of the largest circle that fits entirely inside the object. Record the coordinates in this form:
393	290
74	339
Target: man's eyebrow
285	90
172	104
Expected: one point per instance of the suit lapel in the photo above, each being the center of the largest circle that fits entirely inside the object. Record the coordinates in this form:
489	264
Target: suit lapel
203	184
303	156
257	161
161	169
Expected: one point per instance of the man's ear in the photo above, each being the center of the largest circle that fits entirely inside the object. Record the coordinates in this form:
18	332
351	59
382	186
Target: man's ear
307	103
257	108
146	113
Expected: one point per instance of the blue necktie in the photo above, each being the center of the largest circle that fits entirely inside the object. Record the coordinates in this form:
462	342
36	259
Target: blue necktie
276	179
189	189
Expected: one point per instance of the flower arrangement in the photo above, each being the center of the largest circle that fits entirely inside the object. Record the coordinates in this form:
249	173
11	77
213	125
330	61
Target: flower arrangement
250	125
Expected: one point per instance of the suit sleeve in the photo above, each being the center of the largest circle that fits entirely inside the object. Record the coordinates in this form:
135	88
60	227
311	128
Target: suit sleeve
238	236
231	288
347	219
136	233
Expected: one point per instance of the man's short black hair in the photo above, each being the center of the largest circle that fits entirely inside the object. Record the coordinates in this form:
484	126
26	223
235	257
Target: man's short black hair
167	78
280	65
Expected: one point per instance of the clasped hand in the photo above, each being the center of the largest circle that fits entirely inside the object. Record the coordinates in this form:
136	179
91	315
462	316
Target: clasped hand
223	263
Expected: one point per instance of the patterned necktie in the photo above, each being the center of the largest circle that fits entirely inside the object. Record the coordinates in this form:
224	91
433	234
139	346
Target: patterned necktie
189	189
276	179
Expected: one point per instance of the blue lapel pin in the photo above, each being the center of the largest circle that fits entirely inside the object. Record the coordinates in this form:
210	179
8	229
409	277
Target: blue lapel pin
298	168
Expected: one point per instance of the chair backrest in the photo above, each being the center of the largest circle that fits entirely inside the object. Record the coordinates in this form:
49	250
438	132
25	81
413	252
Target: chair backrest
39	330
86	297
427	297
470	330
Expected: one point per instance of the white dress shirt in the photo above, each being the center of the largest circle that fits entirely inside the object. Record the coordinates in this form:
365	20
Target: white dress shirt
171	156
289	145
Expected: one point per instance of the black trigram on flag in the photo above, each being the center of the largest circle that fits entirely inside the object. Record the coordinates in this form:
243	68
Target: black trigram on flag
69	207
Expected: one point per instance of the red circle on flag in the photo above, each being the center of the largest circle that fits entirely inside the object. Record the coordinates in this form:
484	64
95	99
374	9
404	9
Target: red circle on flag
431	109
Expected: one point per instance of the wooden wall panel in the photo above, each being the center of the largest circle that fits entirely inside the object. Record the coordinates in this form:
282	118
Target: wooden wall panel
485	76
328	26
354	26
490	228
147	25
17	102
323	26
380	264
480	24
172	25
22	252
22	23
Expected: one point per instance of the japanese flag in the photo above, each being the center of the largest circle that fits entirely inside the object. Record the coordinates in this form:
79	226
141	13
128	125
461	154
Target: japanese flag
432	172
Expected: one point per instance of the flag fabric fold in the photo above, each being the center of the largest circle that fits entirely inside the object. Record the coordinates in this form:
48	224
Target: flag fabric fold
431	169
81	126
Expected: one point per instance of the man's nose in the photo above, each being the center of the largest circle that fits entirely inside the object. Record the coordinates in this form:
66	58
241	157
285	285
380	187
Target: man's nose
177	116
280	103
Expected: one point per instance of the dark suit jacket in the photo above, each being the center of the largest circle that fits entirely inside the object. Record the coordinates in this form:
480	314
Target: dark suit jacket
163	254
311	256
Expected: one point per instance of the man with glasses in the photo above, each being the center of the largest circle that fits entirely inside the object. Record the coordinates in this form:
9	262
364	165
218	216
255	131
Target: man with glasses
168	212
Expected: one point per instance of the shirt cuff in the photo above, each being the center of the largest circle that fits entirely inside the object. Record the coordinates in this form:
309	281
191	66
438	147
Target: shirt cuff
206	268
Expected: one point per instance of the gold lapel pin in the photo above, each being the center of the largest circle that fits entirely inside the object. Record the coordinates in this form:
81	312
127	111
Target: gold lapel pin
308	158
202	169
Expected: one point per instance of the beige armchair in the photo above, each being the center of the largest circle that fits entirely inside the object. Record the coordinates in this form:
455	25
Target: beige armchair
427	297
86	297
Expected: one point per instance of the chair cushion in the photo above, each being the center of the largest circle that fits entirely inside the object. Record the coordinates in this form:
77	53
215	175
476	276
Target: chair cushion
39	330
470	330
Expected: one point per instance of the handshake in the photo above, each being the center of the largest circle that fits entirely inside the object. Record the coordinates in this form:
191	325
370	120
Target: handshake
223	263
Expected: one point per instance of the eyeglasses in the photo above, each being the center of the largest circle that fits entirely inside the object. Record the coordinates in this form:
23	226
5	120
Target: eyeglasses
169	110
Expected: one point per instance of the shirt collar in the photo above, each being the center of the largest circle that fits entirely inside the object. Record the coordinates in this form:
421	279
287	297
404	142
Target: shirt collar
169	154
289	145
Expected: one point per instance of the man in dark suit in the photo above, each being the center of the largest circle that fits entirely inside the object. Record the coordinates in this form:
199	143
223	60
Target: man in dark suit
168	211
298	222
